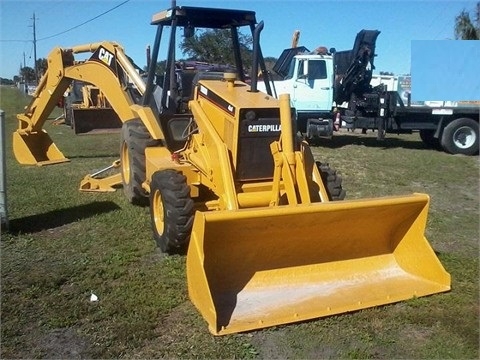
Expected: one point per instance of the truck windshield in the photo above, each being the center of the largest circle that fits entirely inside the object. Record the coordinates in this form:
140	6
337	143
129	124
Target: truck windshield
317	69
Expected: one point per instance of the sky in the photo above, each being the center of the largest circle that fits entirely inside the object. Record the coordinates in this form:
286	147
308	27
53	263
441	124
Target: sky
67	23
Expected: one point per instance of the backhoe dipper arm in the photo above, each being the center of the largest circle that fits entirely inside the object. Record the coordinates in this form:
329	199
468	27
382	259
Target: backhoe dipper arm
104	69
108	68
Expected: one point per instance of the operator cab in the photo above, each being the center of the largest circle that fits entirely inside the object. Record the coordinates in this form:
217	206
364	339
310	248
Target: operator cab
170	97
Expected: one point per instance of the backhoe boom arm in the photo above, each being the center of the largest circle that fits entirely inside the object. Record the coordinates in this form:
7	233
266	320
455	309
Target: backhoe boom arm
108	68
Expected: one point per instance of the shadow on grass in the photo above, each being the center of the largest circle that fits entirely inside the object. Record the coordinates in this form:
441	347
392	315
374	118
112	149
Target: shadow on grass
60	217
390	142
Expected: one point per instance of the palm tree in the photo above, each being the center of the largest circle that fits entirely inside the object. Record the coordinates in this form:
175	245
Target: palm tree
465	29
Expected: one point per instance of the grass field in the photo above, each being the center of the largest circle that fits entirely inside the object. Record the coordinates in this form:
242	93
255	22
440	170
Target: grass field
62	245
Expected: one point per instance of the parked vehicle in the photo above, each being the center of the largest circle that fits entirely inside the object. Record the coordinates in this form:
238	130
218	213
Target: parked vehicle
333	89
86	109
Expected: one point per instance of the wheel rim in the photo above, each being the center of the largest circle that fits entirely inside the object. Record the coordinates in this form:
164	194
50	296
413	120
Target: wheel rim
158	213
464	137
125	160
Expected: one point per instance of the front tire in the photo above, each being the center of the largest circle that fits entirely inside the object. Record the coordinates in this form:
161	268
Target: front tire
171	210
461	137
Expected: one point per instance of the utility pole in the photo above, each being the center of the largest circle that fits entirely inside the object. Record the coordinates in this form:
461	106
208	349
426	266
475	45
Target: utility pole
24	75
35	49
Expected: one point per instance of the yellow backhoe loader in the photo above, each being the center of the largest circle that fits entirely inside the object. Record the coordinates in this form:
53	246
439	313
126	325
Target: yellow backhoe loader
86	109
229	181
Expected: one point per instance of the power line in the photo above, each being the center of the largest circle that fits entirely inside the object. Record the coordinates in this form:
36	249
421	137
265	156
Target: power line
75	27
85	22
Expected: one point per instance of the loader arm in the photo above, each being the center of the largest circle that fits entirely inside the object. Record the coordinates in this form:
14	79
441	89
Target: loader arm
108	68
210	156
293	173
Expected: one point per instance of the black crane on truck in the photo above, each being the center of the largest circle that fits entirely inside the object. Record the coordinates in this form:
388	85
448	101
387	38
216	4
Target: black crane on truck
453	129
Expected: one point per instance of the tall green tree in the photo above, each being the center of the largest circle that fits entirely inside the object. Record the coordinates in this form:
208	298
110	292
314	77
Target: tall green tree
270	62
215	46
42	66
465	28
27	73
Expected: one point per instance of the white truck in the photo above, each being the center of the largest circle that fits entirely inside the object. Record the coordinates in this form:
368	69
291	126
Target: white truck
308	77
330	89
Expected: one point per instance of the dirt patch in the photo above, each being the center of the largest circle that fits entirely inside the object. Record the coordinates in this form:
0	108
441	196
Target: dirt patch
175	336
269	344
64	343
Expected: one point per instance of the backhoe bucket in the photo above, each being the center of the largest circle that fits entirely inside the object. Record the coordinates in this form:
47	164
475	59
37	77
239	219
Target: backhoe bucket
254	268
36	148
93	120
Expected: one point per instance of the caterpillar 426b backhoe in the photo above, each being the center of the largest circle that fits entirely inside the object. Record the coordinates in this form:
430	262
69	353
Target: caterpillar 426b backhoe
228	180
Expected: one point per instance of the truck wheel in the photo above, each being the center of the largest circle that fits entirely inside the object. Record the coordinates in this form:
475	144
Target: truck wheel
135	139
461	137
429	140
332	181
171	210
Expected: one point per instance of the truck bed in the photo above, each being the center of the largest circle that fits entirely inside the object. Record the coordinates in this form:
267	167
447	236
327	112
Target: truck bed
416	117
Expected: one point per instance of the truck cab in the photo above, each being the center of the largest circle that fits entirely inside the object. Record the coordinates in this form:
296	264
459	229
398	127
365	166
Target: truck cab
309	79
320	80
310	83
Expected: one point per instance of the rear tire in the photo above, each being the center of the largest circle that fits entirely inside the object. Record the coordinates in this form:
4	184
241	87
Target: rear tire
461	137
171	210
135	139
332	182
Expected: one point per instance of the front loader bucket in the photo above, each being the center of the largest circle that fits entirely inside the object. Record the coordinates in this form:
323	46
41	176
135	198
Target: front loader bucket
254	268
36	148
